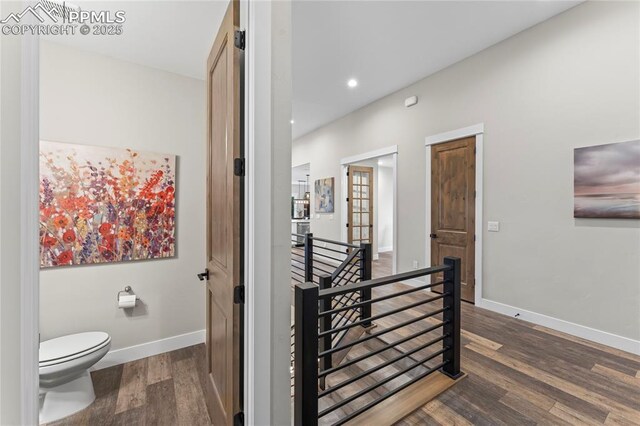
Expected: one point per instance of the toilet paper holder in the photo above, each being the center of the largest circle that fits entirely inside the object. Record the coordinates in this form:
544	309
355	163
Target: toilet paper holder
127	290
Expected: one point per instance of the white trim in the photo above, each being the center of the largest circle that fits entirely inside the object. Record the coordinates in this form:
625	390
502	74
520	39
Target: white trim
268	174
598	336
464	132
369	155
29	229
345	162
477	131
479	210
394	255
250	358
145	350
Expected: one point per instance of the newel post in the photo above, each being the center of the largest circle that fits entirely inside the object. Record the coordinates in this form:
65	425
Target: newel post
306	355
366	256
308	257
451	317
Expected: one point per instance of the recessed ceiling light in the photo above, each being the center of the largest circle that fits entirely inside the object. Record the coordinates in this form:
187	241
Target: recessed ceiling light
352	83
292	121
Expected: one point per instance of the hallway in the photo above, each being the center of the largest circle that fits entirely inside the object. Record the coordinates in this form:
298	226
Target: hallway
518	373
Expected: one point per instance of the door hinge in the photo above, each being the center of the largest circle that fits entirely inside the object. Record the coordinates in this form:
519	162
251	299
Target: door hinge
238	419
347	225
238	294
238	166
347	199
239	39
347	173
474	237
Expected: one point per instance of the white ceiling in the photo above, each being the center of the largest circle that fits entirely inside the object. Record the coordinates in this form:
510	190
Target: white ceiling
387	45
174	36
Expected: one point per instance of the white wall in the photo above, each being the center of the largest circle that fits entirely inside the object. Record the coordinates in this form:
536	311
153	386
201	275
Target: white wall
10	134
95	100
268	180
568	82
385	208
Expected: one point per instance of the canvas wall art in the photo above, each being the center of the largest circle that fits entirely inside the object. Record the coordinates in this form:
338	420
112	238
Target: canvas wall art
102	205
607	181
324	195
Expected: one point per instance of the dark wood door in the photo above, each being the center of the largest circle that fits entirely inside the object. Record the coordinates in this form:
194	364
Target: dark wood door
360	205
453	183
224	223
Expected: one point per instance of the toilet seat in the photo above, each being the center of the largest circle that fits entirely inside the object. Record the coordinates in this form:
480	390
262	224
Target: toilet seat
65	381
68	348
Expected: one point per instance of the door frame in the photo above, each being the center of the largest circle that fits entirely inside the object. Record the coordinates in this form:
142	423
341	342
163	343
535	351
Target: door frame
258	403
371	155
476	130
29	227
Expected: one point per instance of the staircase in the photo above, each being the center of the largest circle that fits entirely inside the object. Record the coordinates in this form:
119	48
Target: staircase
329	264
402	353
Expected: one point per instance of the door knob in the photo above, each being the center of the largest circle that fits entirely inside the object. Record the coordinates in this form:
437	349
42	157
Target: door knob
433	235
204	275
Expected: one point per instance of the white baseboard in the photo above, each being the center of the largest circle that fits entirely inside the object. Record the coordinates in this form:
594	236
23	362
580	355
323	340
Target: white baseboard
144	350
385	249
613	340
619	342
375	256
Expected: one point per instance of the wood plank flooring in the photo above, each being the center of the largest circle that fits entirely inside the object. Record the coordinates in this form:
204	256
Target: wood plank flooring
165	389
518	373
524	374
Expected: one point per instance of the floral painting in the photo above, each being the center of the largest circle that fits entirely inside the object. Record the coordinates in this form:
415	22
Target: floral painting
607	181
102	205
324	195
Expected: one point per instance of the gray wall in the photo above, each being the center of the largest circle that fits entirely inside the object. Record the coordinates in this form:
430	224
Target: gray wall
568	82
95	100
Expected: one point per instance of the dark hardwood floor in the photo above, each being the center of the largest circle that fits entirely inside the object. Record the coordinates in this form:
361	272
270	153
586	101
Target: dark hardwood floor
517	374
165	389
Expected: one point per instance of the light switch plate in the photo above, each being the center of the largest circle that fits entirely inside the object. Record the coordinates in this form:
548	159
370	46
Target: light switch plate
493	226
330	217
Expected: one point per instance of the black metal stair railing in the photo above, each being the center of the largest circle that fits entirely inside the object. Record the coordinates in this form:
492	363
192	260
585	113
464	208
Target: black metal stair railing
314	258
313	350
332	264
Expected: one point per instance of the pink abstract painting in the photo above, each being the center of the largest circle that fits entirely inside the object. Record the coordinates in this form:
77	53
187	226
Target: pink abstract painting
102	205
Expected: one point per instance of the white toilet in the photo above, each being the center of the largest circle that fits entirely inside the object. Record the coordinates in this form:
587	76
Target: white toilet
65	382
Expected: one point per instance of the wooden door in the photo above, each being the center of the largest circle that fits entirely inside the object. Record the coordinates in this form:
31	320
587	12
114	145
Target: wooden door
453	183
360	204
224	223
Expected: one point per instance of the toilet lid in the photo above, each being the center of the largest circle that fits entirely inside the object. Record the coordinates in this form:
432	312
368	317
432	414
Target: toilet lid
66	346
